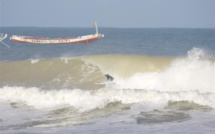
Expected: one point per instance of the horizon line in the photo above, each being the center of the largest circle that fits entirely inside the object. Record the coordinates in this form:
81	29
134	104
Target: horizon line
110	27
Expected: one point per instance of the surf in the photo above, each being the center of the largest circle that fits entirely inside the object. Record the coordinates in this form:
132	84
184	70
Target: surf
86	100
192	72
73	81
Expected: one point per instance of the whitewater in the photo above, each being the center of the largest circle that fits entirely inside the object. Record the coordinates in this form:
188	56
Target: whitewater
70	93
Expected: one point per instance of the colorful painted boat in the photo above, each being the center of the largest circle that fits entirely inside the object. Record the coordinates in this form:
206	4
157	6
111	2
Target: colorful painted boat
61	40
2	36
69	40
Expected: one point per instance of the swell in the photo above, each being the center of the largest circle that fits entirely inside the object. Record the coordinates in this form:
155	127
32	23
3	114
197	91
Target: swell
49	73
195	72
125	66
78	72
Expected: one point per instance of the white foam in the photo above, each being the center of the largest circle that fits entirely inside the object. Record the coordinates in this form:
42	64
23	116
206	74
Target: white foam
88	100
33	61
65	60
192	73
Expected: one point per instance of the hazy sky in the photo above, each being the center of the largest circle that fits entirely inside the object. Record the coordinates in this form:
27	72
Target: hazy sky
108	13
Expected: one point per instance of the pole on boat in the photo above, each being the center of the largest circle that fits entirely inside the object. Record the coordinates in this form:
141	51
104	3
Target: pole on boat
95	26
5	44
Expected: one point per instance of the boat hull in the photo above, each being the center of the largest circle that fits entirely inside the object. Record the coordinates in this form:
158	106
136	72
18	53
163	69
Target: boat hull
38	40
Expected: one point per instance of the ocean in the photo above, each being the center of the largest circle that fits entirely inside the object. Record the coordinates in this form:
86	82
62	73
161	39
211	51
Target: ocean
163	82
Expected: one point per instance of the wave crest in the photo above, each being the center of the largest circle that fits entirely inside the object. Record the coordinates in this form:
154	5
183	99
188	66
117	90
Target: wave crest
83	100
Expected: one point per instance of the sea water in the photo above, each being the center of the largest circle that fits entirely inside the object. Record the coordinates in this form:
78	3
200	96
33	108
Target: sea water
163	82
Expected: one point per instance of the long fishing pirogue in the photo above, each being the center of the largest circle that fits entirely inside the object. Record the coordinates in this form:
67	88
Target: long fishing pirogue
2	36
60	40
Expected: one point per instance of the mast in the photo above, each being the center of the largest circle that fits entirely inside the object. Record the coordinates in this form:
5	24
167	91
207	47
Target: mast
95	26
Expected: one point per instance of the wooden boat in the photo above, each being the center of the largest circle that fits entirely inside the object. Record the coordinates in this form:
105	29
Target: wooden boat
69	40
60	40
2	36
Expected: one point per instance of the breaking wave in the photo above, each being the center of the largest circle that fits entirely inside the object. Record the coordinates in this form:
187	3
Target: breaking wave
83	100
80	82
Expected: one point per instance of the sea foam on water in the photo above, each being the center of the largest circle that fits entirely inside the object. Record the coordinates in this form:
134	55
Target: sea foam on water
192	73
